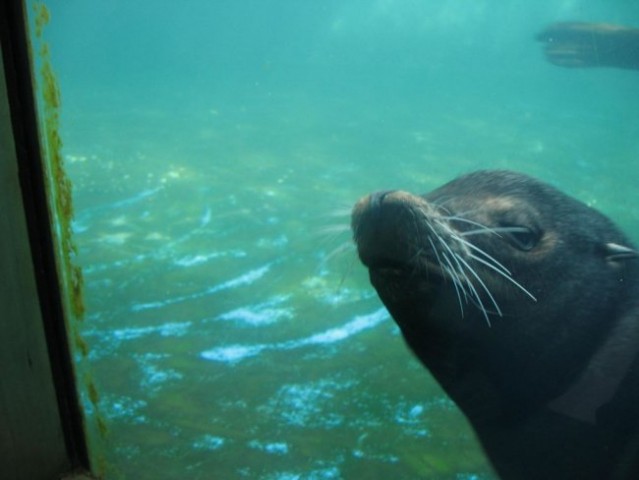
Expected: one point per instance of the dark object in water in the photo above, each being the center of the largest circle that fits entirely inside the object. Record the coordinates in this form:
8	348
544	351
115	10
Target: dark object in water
524	304
579	45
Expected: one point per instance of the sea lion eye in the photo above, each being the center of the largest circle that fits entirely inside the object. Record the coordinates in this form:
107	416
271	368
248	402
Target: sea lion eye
522	238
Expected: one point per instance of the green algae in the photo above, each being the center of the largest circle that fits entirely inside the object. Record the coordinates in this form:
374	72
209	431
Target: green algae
60	201
61	189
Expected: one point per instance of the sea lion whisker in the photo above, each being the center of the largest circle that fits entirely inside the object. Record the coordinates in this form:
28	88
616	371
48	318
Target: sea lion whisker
478	232
458	260
414	260
443	211
459	269
415	247
334	229
441	201
506	276
333	235
482	228
440	204
494	230
483	285
496	263
432	244
346	273
340	212
452	273
423	219
475	295
338	250
464	214
457	284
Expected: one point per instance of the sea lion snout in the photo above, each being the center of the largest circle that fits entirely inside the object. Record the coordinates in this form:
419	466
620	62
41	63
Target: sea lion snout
375	199
372	204
385	225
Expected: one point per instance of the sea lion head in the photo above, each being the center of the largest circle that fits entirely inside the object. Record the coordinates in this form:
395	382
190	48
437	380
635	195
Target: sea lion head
498	273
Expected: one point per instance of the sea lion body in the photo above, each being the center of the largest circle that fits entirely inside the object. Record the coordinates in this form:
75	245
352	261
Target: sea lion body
588	45
524	304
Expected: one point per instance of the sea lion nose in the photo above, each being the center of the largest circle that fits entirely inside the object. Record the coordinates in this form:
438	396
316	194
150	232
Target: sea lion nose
377	198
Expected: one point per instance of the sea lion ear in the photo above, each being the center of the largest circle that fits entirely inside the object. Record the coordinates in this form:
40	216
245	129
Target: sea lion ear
616	253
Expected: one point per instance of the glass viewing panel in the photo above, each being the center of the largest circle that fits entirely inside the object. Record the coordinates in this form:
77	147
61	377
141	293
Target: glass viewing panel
215	150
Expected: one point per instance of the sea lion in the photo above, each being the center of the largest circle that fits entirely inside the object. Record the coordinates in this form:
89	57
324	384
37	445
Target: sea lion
581	44
524	305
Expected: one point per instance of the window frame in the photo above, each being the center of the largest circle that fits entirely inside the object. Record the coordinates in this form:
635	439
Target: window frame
44	436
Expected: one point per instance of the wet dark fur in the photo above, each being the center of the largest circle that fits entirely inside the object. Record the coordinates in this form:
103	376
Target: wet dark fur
548	321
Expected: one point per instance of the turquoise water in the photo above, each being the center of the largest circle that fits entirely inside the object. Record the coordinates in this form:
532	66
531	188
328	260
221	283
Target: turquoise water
215	150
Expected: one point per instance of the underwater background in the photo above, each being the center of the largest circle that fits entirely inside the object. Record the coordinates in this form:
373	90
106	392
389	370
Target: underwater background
215	149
